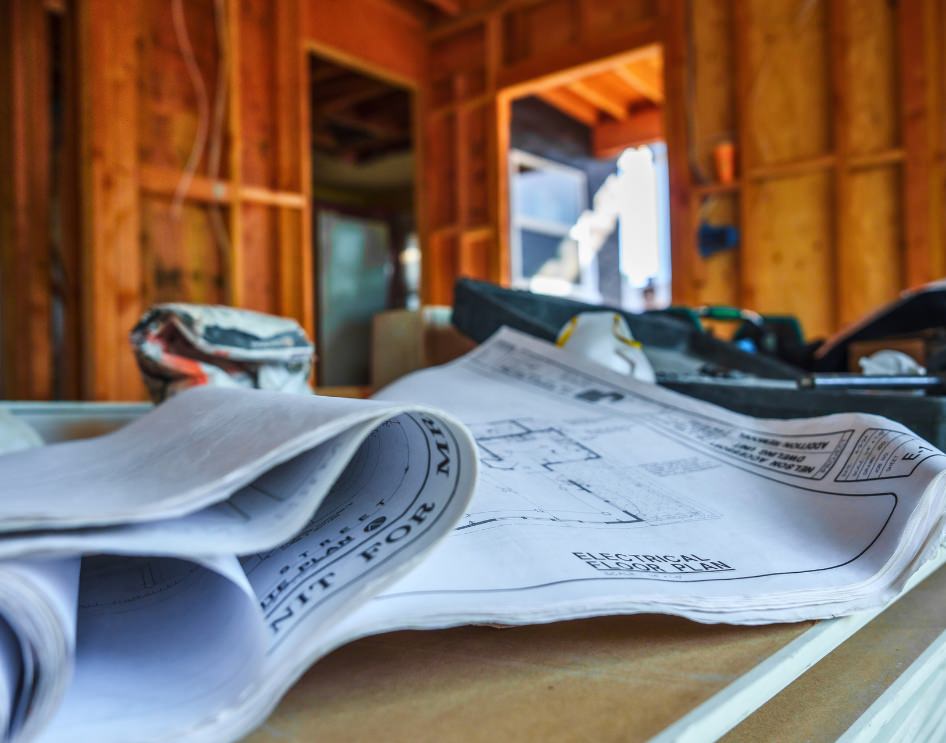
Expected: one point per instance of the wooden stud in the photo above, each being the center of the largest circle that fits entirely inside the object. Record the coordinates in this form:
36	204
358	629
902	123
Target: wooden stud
572	63
461	143
611	138
846	256
376	36
158	180
499	265
892	156
748	263
687	267
68	373
636	79
234	276
296	277
111	268
450	7
598	98
915	126
790	168
570	105
26	361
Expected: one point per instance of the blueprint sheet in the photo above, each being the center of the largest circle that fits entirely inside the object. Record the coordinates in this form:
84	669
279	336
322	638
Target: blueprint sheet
599	494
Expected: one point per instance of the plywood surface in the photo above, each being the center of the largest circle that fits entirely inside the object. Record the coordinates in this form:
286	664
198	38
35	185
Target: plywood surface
791	270
605	679
841	687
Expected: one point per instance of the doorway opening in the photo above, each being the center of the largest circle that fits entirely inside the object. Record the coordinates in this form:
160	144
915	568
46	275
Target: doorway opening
367	258
588	184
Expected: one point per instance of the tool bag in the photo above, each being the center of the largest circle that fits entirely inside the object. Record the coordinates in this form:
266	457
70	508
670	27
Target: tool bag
693	363
674	346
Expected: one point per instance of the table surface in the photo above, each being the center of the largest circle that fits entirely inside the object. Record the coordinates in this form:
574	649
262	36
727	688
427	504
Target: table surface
613	678
604	679
839	689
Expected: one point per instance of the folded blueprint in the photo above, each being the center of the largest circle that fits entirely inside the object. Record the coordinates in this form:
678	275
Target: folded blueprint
172	579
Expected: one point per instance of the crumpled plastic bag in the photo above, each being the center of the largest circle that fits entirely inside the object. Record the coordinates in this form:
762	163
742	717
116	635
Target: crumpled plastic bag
179	346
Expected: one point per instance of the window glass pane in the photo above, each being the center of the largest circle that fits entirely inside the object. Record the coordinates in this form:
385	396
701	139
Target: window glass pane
550	257
553	196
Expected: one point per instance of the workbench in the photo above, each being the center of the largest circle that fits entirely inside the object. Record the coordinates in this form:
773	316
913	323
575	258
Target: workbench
634	678
870	676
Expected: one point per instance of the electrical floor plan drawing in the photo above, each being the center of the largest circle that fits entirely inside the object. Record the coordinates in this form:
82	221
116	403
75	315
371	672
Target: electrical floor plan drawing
583	488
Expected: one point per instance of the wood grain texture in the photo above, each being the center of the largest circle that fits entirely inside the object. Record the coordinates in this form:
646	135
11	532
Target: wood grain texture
870	76
26	354
872	227
787	91
791	229
918	144
112	298
713	100
840	688
688	270
606	679
377	34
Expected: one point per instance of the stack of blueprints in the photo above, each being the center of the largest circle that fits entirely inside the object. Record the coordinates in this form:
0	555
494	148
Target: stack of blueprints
172	579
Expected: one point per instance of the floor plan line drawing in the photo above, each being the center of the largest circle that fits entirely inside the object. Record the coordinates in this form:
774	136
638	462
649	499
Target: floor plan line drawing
584	488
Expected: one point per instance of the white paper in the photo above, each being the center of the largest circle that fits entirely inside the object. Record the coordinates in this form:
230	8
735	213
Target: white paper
327	501
271	529
599	495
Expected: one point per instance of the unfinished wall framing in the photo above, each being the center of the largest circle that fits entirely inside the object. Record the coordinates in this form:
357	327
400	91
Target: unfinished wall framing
836	109
479	62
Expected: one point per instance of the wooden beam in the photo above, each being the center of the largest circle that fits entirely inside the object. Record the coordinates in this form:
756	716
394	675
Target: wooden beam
485	13
611	138
688	269
111	270
340	94
233	271
26	357
599	99
573	62
162	181
748	261
68	355
917	142
448	7
790	168
375	127
500	123
848	258
876	159
570	105
648	86
375	36
296	276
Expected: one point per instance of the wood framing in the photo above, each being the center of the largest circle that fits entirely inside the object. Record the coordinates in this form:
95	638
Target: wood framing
111	268
838	210
26	369
610	138
834	112
917	140
377	36
687	269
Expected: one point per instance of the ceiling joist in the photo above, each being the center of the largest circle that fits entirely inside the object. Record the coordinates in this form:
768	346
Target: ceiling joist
447	7
611	138
644	82
614	107
570	105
